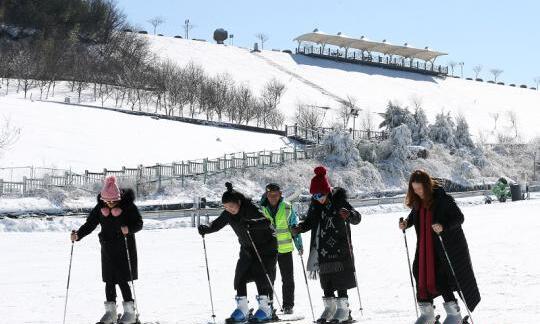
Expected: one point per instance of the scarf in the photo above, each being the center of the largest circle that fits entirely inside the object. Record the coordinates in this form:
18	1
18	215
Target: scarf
427	286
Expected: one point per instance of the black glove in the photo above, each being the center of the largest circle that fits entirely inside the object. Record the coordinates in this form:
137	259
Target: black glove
203	229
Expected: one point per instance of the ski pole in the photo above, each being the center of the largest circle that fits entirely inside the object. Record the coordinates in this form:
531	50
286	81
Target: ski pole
455	278
409	267
264	269
131	277
208	275
354	268
69	278
307	286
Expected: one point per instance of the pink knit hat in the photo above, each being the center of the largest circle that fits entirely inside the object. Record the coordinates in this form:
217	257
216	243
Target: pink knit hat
110	191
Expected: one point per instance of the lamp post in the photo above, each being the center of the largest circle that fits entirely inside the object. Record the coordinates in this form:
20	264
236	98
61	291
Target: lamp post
354	113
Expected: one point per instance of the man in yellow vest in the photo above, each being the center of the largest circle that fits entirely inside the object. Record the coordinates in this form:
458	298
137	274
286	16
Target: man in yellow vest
283	217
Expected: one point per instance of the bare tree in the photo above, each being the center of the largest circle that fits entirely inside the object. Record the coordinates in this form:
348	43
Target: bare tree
262	37
187	28
155	22
495	116
308	116
244	103
537	81
417	101
367	123
270	98
347	109
513	119
496	73
8	134
477	69
452	65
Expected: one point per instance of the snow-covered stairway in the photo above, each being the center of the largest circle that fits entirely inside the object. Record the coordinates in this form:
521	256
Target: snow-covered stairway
300	78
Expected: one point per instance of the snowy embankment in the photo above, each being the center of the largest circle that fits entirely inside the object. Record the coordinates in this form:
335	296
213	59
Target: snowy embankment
37	222
503	239
79	138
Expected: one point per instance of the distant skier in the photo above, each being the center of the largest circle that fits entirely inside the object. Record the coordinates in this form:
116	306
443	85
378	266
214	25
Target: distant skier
434	211
251	227
118	217
283	216
329	218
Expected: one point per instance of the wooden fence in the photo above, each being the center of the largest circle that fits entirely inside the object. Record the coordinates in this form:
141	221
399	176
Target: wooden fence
152	178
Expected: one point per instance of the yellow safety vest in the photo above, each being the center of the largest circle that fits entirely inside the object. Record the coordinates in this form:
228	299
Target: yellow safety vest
284	236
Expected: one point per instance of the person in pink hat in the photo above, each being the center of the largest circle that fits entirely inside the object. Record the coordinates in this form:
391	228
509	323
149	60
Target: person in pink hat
120	220
328	218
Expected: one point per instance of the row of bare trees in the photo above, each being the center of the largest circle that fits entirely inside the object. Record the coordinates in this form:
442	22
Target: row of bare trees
123	71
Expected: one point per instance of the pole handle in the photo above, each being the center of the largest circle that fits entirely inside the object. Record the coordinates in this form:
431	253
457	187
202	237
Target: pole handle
401	221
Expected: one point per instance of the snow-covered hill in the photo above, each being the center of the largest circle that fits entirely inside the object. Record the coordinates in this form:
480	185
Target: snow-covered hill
372	87
79	138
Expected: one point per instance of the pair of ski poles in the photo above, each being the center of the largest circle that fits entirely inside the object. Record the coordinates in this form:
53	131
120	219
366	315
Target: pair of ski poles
265	271
460	292
130	277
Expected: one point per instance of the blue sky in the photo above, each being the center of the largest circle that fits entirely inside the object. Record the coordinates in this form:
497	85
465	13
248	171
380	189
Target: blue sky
495	34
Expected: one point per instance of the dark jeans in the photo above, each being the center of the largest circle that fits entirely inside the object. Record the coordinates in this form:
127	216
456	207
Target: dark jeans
285	262
110	291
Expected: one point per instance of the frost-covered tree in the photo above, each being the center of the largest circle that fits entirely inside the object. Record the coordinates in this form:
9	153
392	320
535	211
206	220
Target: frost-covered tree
443	131
420	131
395	116
401	140
340	149
463	136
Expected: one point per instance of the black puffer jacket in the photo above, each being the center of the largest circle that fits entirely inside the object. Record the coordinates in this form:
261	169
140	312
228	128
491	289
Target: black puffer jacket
262	232
114	262
447	213
249	217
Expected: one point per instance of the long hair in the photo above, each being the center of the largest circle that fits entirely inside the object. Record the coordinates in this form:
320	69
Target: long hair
412	200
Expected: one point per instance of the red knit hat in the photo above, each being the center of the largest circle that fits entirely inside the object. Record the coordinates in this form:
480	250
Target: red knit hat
320	183
110	191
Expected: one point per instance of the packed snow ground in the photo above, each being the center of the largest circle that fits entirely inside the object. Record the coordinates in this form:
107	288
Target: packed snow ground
503	240
79	138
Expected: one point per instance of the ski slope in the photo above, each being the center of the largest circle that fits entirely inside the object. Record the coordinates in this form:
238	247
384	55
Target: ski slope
503	240
372	87
80	138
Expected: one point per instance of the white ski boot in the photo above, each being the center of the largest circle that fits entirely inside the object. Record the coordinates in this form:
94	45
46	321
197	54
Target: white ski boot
110	316
329	310
129	316
427	314
343	313
265	312
241	313
453	316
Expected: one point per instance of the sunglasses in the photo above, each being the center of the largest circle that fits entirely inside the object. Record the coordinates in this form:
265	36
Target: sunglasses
318	196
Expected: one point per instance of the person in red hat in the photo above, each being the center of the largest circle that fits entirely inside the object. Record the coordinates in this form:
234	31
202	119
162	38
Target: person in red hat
120	220
328	218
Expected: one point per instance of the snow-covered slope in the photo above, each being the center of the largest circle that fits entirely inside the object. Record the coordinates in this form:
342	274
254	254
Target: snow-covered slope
173	287
372	87
63	136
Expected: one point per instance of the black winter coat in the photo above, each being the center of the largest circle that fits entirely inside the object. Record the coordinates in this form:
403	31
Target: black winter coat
263	234
334	253
114	262
447	213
